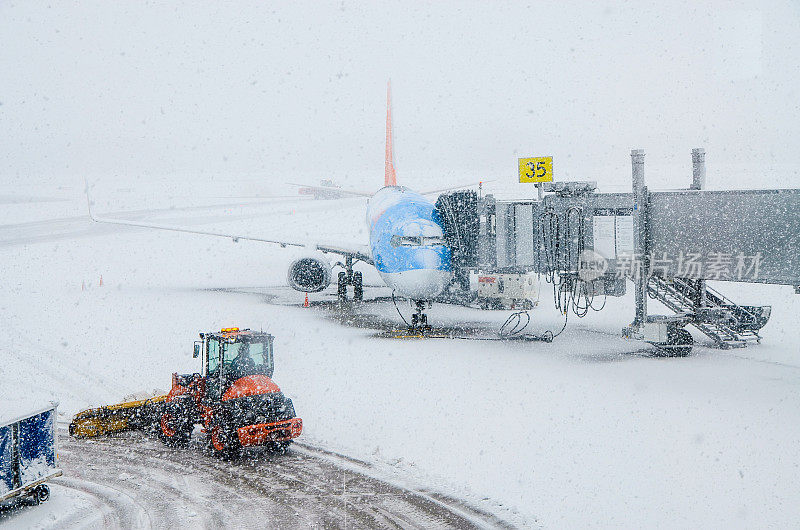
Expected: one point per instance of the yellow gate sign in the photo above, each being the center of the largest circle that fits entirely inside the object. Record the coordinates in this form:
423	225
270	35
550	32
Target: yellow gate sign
538	169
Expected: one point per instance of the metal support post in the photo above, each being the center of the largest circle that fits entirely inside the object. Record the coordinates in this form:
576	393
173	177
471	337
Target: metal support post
699	183
639	236
698	169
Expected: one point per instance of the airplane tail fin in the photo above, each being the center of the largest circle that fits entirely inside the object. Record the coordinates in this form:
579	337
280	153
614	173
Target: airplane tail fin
391	176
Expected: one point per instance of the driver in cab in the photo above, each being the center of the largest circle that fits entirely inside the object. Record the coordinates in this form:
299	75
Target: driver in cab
243	364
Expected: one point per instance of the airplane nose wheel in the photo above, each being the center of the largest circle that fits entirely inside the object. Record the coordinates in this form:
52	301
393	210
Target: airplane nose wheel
419	320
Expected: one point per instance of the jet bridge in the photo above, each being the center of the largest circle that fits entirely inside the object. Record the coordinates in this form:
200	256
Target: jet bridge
667	243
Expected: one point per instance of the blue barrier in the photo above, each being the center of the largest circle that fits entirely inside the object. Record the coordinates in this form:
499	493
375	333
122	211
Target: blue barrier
28	455
6	460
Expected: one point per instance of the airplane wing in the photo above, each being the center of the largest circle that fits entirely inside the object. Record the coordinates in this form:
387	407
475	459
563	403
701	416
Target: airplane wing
359	252
357	193
336	191
451	188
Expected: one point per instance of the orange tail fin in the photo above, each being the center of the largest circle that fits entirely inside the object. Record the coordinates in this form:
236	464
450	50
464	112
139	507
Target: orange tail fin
391	176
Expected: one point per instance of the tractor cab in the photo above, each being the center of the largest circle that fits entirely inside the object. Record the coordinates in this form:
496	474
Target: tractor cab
232	354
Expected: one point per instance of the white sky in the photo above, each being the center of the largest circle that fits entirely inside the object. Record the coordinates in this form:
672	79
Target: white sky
288	91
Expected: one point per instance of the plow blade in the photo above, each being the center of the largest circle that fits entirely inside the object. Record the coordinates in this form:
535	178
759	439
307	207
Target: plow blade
131	415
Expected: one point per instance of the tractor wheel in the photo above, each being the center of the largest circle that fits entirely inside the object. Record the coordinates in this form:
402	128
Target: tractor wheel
279	447
224	443
174	430
358	287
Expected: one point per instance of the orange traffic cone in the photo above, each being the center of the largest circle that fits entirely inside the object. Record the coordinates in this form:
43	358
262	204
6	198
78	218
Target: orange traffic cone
305	304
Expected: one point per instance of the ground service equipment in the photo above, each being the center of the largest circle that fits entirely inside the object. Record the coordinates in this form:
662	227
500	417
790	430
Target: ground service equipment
141	414
507	291
27	456
233	397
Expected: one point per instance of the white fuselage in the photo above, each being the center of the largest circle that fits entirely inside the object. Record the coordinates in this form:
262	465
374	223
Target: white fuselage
407	243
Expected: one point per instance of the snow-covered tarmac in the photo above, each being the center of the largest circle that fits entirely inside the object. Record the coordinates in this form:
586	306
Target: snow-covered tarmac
133	481
587	431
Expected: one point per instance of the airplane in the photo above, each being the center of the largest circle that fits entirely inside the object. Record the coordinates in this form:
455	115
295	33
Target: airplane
327	190
406	244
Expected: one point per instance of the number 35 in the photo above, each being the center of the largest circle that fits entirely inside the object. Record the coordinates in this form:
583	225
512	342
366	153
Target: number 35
540	170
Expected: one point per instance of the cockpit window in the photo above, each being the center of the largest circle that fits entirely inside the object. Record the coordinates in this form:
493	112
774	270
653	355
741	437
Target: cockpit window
416	241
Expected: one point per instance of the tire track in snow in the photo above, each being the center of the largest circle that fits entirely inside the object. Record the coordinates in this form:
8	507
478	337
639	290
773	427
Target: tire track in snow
307	486
118	510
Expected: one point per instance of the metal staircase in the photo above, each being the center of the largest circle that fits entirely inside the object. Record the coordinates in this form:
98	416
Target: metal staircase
729	325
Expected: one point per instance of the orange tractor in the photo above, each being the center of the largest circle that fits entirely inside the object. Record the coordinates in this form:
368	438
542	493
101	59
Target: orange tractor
234	397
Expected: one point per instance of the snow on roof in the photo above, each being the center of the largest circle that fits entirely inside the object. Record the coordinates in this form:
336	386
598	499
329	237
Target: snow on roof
13	411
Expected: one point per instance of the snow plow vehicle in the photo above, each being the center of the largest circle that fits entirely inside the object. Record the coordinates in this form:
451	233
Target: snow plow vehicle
233	397
141	414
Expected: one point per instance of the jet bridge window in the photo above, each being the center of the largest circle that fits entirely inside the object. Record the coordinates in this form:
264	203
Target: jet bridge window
416	241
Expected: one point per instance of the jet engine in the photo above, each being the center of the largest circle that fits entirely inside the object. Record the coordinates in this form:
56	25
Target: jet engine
309	274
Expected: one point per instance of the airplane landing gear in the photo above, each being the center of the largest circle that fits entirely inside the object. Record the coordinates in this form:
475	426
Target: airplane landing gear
419	320
349	277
